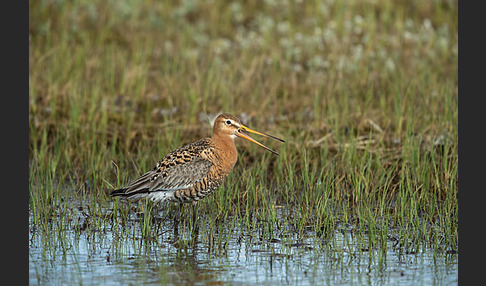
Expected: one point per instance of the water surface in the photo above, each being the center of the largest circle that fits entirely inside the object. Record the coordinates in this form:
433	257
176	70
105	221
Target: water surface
103	256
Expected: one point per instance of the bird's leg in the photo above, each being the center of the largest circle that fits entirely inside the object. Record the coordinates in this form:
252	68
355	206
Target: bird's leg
195	225
194	213
177	218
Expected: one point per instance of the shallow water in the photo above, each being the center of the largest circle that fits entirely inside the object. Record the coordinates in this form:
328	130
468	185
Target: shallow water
99	257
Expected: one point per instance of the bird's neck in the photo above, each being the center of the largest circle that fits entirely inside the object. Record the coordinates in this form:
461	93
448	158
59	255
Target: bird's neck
226	149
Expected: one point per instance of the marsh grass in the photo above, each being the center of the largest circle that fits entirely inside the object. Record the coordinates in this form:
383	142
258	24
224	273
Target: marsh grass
365	95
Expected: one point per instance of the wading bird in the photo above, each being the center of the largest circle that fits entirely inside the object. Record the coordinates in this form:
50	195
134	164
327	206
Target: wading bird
193	171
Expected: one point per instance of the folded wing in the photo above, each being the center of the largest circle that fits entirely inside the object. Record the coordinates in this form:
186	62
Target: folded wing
180	169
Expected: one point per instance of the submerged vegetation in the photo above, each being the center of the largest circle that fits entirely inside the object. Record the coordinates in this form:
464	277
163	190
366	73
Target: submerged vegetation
365	93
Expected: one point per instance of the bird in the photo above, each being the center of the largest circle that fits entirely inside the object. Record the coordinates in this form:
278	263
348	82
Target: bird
193	171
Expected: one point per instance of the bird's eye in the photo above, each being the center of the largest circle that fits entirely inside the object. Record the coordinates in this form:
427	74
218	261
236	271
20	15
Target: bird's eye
228	122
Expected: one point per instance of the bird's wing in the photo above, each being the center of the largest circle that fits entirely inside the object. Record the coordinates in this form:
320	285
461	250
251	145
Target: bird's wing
178	170
180	176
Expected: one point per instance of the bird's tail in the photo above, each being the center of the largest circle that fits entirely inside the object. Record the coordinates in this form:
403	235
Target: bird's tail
128	194
119	192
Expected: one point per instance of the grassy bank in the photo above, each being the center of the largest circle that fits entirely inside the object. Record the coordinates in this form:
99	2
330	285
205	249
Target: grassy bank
364	92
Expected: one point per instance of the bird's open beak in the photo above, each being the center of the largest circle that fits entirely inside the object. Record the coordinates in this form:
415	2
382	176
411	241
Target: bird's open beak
246	129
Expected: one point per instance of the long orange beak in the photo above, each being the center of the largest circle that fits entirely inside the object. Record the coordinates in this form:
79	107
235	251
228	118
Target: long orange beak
243	135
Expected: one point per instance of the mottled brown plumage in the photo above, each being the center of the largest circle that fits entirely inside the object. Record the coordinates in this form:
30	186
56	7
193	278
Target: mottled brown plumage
193	171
